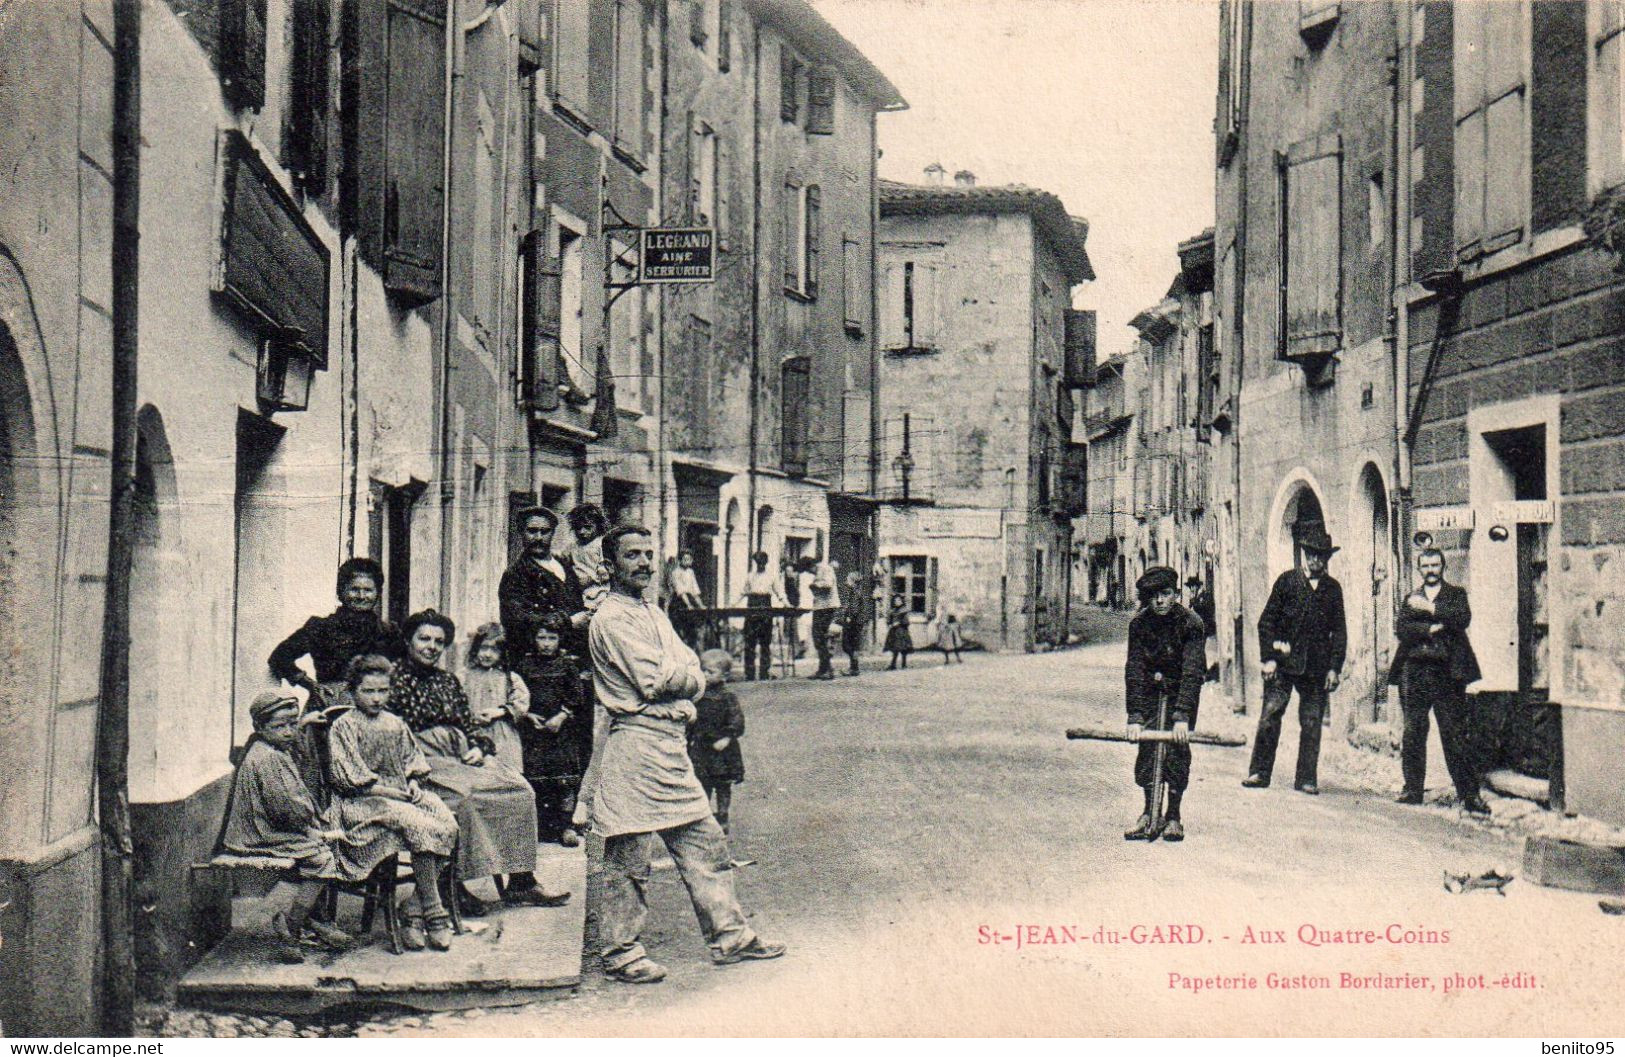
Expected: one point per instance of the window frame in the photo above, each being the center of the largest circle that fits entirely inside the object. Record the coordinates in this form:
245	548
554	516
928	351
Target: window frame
1487	244
563	88
1599	35
914	576
628	140
570	242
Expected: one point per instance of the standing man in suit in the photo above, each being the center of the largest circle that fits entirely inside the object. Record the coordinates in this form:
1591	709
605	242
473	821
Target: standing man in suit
1302	638
538	583
1432	667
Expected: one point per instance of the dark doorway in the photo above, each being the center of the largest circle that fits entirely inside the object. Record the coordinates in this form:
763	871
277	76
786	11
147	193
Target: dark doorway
389	538
259	531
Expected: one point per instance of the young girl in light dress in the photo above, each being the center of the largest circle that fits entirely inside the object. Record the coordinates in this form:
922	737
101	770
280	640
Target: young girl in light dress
497	698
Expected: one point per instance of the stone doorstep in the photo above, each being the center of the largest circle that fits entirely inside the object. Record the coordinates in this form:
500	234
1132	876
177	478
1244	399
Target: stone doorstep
1578	866
511	957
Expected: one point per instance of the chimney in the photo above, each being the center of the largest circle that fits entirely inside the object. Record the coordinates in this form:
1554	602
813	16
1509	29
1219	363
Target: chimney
964	178
934	174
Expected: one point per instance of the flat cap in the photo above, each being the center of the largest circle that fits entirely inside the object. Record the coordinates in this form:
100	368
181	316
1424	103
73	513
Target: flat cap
268	703
1155	579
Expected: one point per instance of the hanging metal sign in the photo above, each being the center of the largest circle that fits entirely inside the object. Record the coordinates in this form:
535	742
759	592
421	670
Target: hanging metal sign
678	255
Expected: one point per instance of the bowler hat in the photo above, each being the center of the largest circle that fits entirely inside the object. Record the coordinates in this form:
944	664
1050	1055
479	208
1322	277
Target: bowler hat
1317	541
1155	579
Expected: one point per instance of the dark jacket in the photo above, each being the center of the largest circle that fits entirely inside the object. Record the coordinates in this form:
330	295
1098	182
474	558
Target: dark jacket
554	684
1174	646
718	716
1311	619
1417	640
331	642
528	593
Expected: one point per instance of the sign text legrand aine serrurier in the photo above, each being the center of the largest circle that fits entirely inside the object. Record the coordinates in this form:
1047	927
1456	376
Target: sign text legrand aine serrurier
678	255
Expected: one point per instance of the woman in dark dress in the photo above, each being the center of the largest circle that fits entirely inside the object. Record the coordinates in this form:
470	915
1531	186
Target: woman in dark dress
333	641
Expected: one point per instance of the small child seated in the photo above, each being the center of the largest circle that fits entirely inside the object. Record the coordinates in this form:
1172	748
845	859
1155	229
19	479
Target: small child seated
497	698
375	766
713	739
552	731
272	813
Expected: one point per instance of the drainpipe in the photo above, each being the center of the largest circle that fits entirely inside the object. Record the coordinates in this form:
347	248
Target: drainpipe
1404	133
661	455
753	529
1238	311
448	315
113	717
874	361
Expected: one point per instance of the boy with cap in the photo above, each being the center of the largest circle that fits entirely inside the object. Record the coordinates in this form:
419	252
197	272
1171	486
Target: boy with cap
1165	657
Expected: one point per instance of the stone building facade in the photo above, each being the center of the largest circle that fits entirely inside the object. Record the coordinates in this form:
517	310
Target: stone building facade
978	472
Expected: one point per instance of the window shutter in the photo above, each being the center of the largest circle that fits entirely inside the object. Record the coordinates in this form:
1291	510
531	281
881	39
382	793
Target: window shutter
696	23
853	307
792	233
810	284
931	589
925	306
308	118
695	144
1557	105
541	310
821	102
893	334
1080	348
398	137
1312	268
794	392
1433	163
789	66
629	75
724	191
572	40
242	52
725	36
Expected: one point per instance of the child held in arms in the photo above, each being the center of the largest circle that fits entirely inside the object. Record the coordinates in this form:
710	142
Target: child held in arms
713	740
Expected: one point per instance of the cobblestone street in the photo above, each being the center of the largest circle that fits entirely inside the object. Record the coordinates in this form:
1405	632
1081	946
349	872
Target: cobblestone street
890	819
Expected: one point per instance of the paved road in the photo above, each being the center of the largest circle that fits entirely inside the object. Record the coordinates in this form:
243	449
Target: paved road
901	820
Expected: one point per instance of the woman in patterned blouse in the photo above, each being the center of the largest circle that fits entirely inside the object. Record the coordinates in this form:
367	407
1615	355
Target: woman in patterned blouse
494	805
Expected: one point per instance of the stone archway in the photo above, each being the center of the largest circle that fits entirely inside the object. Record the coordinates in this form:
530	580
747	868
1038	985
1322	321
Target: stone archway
1297	508
1368	577
158	636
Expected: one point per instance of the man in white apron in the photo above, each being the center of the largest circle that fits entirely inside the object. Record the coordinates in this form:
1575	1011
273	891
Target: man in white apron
640	780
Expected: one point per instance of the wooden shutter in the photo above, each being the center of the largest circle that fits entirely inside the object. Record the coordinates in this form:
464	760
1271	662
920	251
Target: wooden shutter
1557	117
572	43
854	305
541	309
1312	267
792	240
893	334
789	68
794	393
1433	157
629	75
820	102
308	118
692	164
1080	348
810	279
242	52
399	144
722	182
924	333
931	593
725	36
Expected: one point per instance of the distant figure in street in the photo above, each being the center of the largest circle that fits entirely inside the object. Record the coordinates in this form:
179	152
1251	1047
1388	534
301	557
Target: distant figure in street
792	596
804	591
641	782
1432	667
713	740
899	643
826	602
1302	638
762	590
852	621
551	734
538	583
685	597
1201	603
950	641
1164	658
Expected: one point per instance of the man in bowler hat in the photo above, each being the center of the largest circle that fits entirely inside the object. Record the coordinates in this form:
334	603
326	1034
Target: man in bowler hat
1165	657
1432	666
1302	638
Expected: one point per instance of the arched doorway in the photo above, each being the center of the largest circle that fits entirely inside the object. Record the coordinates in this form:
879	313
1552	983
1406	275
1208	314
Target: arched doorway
1298	511
157	637
1369	560
730	526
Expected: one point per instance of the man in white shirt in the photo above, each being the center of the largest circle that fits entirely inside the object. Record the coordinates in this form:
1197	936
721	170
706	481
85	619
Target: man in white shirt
826	602
685	596
762	590
641	781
